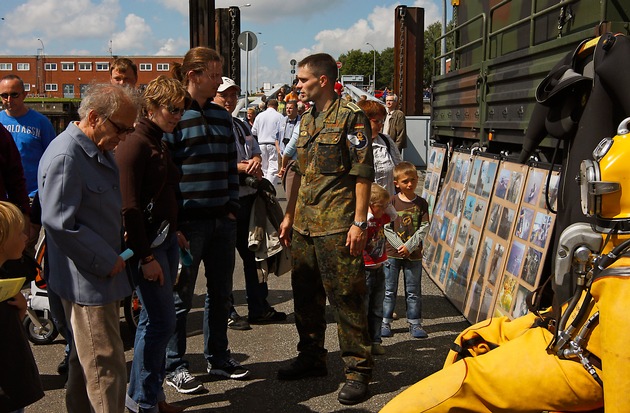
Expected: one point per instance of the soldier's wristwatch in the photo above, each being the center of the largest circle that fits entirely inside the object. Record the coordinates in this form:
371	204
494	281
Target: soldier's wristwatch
361	224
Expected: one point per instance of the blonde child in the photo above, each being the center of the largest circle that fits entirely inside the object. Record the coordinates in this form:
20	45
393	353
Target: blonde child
19	377
380	213
404	250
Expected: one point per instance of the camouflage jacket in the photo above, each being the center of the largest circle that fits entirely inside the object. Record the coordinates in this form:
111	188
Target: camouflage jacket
333	149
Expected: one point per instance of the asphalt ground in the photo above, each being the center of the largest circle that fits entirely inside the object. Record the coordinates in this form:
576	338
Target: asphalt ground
266	348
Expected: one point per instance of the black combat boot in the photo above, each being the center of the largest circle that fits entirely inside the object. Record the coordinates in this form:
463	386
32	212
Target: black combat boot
353	392
302	367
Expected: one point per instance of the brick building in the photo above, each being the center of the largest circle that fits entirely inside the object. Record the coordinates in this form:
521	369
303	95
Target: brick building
68	76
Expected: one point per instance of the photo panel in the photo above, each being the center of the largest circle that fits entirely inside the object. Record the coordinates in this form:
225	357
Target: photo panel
529	242
433	176
474	209
495	253
445	223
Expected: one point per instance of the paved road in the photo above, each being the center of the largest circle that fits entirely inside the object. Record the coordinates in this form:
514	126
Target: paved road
265	349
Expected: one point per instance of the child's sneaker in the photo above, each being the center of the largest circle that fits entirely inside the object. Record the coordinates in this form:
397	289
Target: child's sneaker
377	349
386	330
417	331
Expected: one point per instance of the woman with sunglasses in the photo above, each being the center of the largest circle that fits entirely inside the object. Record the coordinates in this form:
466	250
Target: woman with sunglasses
148	180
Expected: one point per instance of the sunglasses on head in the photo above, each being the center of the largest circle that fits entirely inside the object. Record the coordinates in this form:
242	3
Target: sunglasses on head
173	110
13	95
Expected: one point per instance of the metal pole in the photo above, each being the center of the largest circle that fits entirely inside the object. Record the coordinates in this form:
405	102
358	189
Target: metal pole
443	42
247	71
374	72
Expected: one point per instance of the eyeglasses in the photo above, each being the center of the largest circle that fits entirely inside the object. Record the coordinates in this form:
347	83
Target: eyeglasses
13	95
175	110
121	130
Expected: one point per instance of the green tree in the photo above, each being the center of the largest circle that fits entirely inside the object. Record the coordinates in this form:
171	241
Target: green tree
431	34
357	62
385	69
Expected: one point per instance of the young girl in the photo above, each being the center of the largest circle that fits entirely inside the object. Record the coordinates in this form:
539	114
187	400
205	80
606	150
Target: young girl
380	213
19	377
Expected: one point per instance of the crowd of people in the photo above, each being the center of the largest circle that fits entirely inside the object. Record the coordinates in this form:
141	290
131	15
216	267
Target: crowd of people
171	175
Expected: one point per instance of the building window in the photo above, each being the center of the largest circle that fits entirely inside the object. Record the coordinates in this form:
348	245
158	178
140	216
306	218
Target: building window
83	89
68	90
27	87
102	66
146	67
68	66
50	66
50	87
23	66
85	66
162	67
6	66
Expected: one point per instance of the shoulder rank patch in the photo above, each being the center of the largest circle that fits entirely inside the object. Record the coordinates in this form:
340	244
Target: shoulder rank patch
354	107
359	140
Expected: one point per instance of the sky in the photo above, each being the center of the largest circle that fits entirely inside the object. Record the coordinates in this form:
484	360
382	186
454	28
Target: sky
285	29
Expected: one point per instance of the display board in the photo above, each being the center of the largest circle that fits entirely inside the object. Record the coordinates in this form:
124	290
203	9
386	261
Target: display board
490	233
465	254
529	244
433	176
438	245
495	240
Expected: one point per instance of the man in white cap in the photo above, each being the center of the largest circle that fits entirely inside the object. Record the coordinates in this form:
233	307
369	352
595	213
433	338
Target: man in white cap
249	165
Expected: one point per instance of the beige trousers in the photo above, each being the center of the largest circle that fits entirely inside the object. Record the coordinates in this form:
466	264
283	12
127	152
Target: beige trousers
97	376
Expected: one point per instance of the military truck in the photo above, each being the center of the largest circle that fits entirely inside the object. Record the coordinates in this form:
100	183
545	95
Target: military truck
502	51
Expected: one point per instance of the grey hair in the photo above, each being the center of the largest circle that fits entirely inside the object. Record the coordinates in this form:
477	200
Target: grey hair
105	99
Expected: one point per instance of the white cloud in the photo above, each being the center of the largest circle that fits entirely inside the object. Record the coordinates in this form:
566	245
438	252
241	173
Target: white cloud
171	47
180	6
133	38
277	11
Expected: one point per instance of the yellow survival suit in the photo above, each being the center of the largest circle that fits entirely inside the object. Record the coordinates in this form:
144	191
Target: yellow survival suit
583	362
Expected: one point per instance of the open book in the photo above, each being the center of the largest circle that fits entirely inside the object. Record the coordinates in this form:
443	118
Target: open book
10	287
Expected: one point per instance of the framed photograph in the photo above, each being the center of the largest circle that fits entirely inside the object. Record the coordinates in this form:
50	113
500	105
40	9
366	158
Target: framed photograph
515	259
524	223
496	263
514	190
531	265
505	224
502	184
533	187
479	213
541	229
494	218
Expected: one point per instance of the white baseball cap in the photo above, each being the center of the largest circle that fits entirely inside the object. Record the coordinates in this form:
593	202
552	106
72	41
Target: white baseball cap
227	83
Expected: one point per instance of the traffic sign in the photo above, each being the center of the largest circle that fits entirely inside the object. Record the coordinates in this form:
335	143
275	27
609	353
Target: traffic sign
339	64
247	41
293	62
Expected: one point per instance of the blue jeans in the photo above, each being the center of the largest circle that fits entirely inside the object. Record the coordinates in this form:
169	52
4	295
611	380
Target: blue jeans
155	327
212	241
375	280
412	272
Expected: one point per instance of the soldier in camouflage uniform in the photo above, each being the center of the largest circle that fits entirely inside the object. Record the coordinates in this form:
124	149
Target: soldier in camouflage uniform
327	208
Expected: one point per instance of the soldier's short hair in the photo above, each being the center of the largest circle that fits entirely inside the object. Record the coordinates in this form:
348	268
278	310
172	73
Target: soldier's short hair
321	64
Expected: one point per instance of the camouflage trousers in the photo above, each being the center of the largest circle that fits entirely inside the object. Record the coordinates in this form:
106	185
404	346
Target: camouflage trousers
323	267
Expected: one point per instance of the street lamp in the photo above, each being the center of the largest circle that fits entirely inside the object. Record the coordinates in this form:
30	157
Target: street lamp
374	75
42	70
